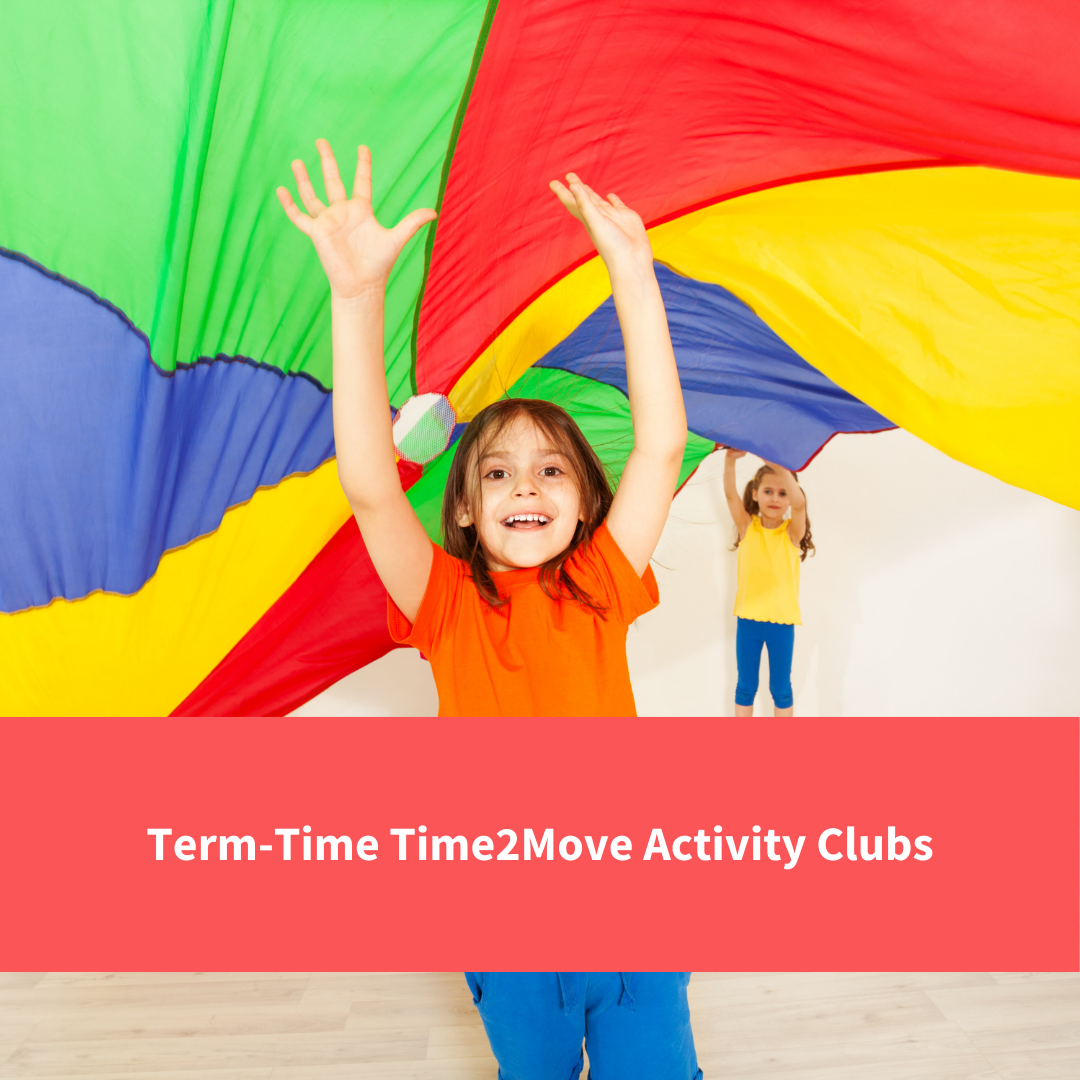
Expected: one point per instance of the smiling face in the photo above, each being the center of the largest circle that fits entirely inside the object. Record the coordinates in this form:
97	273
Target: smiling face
527	506
772	499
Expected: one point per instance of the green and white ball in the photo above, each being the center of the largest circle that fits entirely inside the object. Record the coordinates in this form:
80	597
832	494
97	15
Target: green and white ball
423	426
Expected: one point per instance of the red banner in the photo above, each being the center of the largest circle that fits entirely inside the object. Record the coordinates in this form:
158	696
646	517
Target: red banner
540	844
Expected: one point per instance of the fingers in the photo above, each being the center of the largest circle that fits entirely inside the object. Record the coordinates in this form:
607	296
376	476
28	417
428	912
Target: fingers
566	198
335	189
301	221
577	183
582	201
407	227
362	181
578	187
308	197
588	203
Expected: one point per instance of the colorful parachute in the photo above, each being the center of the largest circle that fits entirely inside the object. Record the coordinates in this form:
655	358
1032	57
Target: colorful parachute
863	216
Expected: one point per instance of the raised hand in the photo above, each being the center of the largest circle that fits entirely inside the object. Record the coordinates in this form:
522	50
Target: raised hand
356	252
616	230
733	454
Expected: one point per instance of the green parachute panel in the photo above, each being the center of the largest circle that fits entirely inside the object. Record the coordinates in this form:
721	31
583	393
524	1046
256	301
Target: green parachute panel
193	246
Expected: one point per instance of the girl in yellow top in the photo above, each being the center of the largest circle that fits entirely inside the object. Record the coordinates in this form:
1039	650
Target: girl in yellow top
771	546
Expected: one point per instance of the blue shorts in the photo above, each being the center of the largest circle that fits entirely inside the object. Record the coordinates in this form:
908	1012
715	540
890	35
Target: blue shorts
636	1025
780	639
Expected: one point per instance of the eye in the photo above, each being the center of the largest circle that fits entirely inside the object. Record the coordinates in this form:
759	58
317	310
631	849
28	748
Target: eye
551	470
496	474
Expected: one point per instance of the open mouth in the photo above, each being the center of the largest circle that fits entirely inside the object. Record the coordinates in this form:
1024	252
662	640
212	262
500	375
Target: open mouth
526	521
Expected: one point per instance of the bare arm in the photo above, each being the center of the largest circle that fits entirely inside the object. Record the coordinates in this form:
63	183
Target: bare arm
797	527
731	492
651	475
357	254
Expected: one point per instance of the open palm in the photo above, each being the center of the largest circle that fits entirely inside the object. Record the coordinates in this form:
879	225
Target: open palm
356	252
616	230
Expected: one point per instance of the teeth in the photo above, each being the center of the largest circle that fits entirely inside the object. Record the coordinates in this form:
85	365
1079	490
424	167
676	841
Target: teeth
527	517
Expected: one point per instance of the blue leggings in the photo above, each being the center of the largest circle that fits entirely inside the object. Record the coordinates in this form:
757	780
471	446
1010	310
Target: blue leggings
780	638
636	1025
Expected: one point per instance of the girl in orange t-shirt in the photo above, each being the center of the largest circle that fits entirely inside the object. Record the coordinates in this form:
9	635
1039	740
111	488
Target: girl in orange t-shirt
544	568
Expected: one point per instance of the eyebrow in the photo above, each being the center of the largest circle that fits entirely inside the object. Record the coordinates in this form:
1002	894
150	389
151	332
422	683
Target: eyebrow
503	453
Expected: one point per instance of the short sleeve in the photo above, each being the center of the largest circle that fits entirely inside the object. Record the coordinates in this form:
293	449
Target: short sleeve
605	572
436	608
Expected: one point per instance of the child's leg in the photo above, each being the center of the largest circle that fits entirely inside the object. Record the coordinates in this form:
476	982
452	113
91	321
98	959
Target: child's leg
637	1026
780	639
535	1022
748	642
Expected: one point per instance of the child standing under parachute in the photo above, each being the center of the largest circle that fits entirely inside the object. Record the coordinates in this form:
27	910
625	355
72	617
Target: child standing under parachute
771	546
526	611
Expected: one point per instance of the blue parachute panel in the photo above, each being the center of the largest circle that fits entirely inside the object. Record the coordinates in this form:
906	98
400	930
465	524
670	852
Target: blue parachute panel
105	461
743	386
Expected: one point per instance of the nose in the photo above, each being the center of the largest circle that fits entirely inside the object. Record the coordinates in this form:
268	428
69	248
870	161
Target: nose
525	487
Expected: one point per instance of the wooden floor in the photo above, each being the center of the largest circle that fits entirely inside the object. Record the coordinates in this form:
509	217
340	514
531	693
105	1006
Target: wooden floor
294	1026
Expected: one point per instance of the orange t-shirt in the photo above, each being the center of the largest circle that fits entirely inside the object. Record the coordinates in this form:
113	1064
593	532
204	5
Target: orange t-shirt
534	656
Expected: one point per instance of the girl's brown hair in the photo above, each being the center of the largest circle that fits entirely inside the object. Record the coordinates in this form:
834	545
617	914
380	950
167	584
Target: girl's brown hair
749	500
463	491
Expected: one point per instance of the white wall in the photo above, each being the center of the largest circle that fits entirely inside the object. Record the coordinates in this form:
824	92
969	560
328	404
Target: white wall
936	590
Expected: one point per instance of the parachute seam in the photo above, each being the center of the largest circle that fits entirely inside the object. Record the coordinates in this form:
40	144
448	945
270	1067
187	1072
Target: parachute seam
861	170
18	256
60	599
451	147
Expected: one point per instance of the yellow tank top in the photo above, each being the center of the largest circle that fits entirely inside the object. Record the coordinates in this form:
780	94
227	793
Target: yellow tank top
768	575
